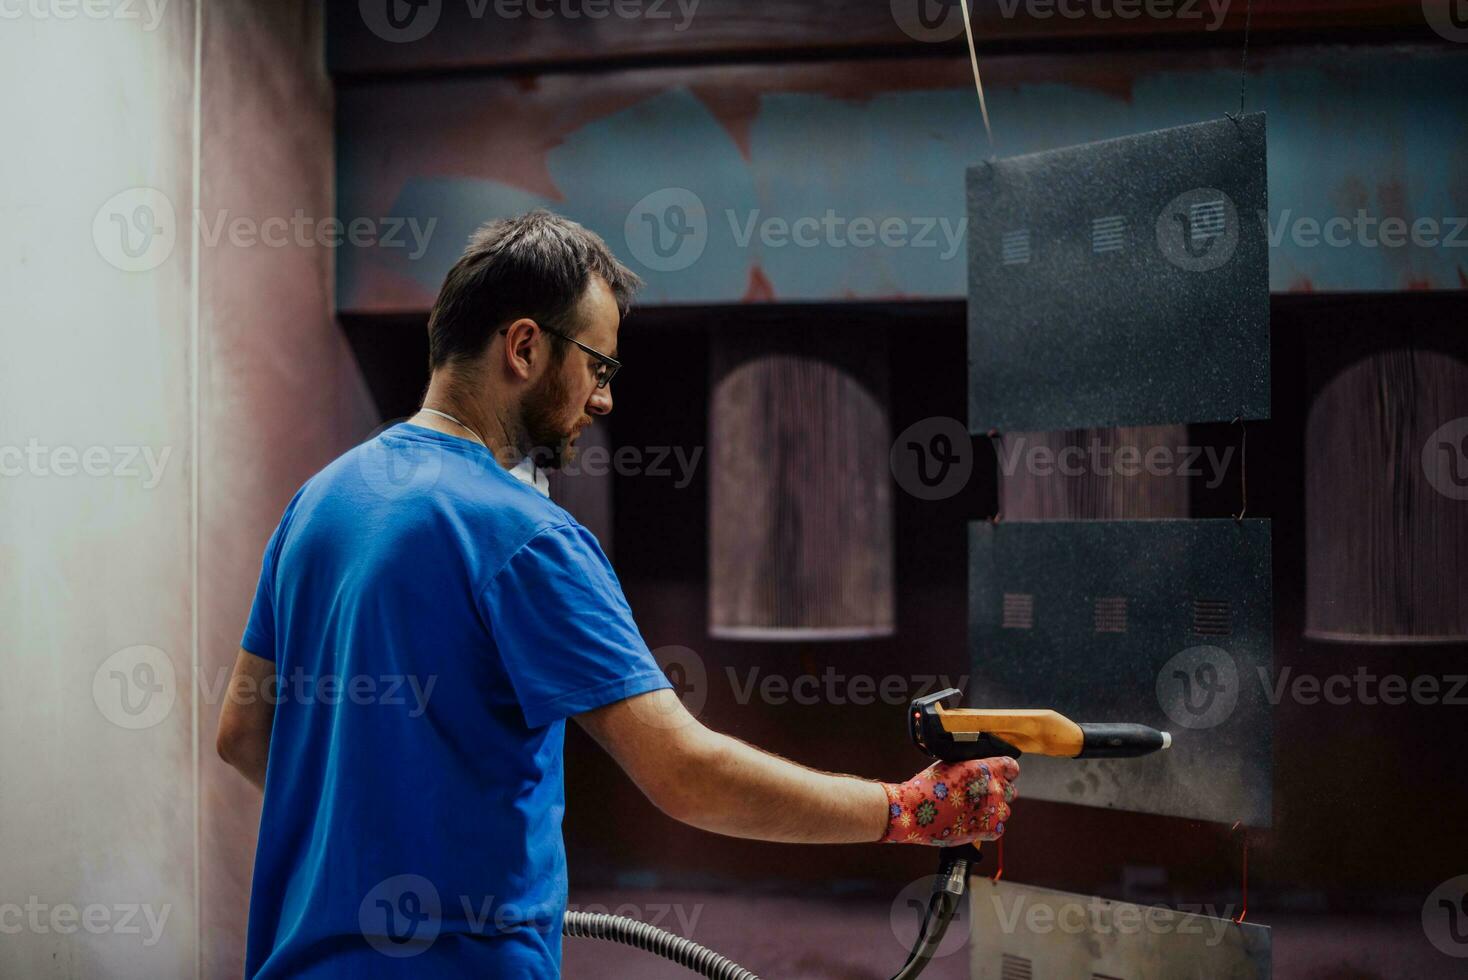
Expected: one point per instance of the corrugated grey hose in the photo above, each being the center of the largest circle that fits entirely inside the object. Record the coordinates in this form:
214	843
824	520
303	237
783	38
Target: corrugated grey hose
630	932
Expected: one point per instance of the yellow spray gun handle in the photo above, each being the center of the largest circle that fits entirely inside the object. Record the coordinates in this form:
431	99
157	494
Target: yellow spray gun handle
954	734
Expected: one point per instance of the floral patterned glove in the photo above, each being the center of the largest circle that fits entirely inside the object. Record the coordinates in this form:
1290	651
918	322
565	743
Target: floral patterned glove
952	803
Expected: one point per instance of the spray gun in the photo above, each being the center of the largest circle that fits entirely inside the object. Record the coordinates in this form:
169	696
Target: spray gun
960	734
949	734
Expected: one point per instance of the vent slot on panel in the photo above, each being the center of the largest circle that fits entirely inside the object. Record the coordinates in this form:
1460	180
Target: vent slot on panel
1110	614
1019	611
1212	617
1015	968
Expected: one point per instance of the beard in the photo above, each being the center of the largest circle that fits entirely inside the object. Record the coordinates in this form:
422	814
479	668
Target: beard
550	422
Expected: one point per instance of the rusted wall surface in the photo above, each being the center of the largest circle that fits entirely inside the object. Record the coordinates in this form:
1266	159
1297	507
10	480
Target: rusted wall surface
844	180
493	34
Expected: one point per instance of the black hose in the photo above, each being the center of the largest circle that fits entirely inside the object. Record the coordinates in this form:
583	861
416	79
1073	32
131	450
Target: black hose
630	932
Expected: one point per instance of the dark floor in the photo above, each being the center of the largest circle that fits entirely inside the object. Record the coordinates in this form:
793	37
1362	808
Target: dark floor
785	938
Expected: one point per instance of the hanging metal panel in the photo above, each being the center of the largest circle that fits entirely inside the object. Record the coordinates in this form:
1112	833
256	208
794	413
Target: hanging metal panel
1020	932
1166	623
1124	282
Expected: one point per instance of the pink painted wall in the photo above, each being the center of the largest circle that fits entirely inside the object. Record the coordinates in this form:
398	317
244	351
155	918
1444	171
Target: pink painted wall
280	395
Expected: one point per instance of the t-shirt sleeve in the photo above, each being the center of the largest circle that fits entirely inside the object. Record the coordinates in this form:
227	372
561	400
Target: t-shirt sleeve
259	637
563	628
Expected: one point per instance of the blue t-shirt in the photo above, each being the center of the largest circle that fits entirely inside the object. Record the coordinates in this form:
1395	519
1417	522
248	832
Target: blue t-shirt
433	621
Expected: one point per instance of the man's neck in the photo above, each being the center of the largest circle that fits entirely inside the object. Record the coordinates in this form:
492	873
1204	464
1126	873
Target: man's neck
486	423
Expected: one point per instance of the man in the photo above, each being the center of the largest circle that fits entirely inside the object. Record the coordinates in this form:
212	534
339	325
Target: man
430	618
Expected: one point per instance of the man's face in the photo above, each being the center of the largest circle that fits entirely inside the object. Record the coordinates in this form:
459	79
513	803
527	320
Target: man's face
562	402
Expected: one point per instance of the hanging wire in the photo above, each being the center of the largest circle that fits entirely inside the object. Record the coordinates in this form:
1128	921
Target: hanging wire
1244	66
973	60
1244	885
1243	469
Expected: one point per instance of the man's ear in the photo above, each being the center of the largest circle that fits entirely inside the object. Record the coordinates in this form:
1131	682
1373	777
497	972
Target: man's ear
520	343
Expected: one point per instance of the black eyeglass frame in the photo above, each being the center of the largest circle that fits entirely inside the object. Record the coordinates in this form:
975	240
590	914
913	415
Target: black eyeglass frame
613	365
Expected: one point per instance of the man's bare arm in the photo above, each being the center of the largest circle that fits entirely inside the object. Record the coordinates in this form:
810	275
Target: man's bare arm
720	784
245	720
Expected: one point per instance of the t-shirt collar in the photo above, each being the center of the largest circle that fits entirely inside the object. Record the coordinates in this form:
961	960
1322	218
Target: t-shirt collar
531	475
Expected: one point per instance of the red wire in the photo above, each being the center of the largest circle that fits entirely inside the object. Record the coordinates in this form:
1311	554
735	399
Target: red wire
1244	887
999	860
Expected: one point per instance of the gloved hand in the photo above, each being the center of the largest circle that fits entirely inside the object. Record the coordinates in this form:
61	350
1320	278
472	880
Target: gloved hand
952	803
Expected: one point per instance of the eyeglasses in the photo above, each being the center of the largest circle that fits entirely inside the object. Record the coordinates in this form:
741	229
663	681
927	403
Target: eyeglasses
606	368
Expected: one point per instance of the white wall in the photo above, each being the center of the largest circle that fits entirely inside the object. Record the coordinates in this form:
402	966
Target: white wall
124	844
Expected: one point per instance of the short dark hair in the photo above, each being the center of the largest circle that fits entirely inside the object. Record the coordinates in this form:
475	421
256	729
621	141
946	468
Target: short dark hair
536	265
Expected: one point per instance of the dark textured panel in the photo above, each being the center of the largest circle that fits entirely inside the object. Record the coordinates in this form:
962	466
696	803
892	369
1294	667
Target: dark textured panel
1124	282
1166	623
